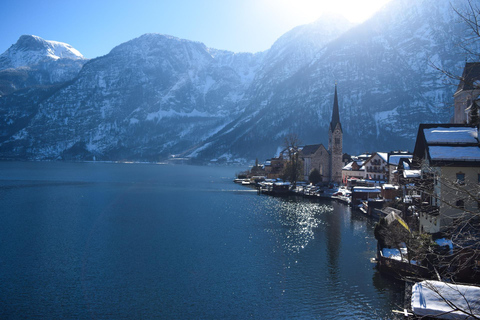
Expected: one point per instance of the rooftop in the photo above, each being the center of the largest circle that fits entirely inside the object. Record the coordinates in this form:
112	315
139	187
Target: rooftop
451	135
460	153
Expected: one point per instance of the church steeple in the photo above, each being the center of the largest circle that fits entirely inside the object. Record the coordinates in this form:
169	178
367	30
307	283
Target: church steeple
335	143
335	113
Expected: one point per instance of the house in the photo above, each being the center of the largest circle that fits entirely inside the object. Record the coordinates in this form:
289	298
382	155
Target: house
274	167
376	167
394	158
360	194
467	93
353	171
407	179
448	156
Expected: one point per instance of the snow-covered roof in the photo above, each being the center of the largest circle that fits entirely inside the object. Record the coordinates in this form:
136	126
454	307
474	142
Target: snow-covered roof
435	299
395	158
454	153
452	135
412	173
383	155
389	186
348	166
366	189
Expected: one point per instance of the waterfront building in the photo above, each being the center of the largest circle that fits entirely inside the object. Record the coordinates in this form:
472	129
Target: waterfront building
448	156
376	167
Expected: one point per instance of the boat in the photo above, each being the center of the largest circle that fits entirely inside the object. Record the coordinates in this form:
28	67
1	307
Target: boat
394	262
442	300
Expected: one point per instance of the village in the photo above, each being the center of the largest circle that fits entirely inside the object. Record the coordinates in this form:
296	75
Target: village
427	202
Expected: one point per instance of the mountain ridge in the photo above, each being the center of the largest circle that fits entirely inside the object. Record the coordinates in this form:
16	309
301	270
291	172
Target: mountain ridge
157	95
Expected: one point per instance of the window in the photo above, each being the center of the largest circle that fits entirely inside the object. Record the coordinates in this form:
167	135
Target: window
460	204
478	177
461	178
337	140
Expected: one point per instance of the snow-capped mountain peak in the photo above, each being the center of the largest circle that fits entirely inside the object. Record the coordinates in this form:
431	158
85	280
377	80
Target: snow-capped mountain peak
30	50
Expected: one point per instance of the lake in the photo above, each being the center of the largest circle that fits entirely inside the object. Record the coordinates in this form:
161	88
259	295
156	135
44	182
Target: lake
144	241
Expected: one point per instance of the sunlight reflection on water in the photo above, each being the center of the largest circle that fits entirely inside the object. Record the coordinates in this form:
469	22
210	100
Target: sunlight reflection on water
297	221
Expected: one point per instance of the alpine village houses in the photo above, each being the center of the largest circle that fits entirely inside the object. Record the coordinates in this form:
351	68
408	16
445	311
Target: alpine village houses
432	190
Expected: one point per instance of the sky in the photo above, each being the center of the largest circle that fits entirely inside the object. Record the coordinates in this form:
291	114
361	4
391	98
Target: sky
94	27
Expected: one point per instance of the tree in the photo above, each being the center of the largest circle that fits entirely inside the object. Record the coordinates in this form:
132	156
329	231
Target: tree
474	119
470	17
462	198
294	165
314	177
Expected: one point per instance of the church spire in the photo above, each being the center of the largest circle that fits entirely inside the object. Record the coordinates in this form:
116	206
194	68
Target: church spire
335	113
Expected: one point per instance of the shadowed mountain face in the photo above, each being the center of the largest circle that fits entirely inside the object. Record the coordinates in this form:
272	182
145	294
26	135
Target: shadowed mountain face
159	95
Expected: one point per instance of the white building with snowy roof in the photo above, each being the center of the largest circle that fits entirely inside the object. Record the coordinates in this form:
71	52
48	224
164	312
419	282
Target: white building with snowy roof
376	167
448	156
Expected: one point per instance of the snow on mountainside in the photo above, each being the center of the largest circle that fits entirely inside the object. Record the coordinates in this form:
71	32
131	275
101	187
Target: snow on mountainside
386	85
30	50
158	95
149	97
33	61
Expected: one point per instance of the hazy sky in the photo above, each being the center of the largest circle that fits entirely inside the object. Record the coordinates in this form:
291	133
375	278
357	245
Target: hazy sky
94	27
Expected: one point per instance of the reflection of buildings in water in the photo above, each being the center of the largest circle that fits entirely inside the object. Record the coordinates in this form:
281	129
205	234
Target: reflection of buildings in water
334	238
358	227
389	285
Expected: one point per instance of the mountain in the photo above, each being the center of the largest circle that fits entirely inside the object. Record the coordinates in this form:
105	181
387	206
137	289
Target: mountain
148	97
386	86
33	61
157	95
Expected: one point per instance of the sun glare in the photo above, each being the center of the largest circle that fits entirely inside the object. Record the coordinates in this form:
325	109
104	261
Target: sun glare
306	11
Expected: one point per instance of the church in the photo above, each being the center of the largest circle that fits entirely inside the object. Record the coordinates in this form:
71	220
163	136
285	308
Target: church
467	93
327	161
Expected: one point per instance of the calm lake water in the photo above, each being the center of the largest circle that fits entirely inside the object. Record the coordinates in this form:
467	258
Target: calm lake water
137	241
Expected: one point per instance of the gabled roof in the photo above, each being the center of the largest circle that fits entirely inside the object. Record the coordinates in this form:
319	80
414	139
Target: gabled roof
394	159
381	155
471	74
310	149
348	167
447	145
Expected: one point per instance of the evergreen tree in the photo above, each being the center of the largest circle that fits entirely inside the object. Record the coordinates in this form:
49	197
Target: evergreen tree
474	119
314	177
